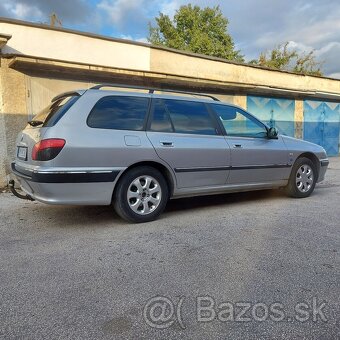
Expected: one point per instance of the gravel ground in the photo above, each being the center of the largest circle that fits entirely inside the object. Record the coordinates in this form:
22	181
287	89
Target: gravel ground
240	266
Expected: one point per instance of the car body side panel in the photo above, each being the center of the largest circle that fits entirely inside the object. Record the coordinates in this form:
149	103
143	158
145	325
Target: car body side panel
258	160
298	147
92	150
227	188
88	149
94	147
197	160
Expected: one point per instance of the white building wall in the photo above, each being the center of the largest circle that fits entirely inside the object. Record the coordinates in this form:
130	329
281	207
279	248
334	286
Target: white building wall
47	43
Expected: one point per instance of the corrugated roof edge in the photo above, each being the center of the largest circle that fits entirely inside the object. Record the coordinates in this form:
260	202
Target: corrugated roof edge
133	42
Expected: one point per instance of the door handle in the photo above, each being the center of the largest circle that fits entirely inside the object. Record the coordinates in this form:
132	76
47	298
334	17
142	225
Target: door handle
167	143
238	146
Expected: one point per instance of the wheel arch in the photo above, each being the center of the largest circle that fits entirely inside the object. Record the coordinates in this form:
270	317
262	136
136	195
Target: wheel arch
164	170
313	158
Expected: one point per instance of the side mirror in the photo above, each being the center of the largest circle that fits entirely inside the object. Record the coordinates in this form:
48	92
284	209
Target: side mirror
272	133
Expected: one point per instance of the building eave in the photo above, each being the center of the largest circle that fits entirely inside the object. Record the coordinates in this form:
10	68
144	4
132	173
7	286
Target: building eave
98	73
155	47
4	39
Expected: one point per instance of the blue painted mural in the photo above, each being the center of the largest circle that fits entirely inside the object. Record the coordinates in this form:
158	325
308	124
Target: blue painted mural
321	124
275	112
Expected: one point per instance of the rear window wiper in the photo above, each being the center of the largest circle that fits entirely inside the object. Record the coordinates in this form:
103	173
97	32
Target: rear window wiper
35	122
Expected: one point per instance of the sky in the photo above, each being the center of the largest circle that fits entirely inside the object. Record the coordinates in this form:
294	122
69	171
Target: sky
255	25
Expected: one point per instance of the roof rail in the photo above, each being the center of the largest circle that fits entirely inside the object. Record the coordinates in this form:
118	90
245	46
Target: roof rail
152	90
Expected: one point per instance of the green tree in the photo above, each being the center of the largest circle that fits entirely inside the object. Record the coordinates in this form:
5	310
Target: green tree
284	58
196	30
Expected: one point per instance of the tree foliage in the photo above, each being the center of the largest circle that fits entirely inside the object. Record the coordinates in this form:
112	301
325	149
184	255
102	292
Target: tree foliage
284	58
196	30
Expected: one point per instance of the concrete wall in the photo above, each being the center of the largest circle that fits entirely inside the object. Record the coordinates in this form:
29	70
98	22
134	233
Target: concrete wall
55	44
43	41
164	61
21	97
13	114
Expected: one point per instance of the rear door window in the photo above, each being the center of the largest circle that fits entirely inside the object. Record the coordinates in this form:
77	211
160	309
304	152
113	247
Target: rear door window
160	118
182	117
119	113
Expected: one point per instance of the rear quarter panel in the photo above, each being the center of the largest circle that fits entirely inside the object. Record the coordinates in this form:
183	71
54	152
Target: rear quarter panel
88	147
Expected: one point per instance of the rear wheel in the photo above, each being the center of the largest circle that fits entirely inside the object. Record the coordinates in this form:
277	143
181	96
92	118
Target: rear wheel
141	195
302	178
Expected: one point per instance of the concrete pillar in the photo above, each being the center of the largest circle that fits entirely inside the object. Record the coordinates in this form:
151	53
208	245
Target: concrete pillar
241	100
298	119
226	98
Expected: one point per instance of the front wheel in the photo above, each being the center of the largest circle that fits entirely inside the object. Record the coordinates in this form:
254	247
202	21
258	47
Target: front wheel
141	195
302	178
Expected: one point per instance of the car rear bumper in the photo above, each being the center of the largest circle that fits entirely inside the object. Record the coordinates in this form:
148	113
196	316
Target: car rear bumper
84	187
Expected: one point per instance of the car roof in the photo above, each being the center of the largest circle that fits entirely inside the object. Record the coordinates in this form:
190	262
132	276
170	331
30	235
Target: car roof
184	97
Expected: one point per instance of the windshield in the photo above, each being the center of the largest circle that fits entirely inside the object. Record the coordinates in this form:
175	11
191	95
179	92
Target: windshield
51	114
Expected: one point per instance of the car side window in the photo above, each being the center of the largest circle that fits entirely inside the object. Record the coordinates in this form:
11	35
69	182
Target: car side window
160	117
182	117
238	122
119	112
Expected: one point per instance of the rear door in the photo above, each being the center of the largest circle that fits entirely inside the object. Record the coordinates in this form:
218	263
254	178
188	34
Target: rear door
254	157
187	137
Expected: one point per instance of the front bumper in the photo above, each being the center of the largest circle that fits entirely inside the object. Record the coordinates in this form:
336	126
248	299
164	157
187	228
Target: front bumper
323	168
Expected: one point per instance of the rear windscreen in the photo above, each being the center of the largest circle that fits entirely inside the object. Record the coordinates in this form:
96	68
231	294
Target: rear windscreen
51	114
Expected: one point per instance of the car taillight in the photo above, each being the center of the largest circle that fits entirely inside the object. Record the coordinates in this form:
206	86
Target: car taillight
47	149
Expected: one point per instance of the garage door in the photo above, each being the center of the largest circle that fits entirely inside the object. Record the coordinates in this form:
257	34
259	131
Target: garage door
42	90
276	112
321	124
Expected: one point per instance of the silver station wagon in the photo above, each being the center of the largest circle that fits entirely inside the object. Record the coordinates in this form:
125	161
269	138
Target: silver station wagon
136	150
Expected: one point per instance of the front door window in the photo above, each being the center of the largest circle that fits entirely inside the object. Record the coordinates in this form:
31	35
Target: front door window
239	123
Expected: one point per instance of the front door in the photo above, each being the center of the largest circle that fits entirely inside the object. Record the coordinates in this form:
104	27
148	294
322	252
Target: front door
185	135
254	157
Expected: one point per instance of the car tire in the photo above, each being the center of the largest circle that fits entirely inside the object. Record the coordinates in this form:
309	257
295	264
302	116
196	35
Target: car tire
302	179
141	195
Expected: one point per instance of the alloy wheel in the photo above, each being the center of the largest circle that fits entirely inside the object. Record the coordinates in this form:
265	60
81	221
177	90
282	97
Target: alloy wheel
144	195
